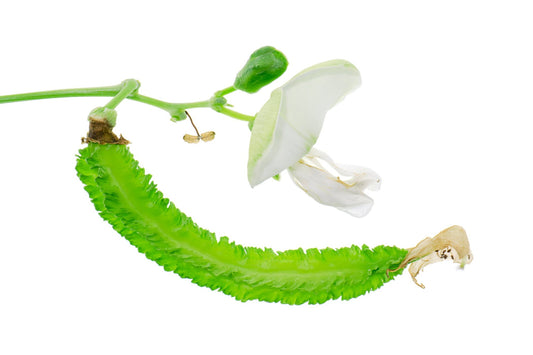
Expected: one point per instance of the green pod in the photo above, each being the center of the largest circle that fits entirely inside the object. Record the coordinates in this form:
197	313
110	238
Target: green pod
127	198
264	66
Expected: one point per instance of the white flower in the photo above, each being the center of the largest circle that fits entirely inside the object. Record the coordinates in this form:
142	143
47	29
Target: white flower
287	127
344	189
289	123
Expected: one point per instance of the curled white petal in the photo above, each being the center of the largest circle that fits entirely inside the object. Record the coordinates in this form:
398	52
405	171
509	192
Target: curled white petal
339	186
288	125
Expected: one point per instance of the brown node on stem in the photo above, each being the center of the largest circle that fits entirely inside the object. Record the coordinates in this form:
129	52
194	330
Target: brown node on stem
102	133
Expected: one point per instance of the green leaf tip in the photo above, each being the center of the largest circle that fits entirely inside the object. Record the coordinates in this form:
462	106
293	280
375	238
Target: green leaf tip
263	67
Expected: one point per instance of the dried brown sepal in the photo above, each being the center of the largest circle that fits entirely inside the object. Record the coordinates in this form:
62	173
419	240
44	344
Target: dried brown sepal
452	243
207	136
191	139
102	133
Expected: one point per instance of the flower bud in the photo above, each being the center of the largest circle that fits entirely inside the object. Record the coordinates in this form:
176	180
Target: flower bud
264	66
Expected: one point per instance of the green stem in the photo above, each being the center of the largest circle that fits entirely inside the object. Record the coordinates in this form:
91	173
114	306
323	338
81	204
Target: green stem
104	91
225	91
240	116
54	94
151	101
129	86
128	90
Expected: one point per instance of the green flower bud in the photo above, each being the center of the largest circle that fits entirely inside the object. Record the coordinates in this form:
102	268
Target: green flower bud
264	66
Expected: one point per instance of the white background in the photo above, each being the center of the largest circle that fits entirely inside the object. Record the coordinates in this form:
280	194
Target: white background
443	116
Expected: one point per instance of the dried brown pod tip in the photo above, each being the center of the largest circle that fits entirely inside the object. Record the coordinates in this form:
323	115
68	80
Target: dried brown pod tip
452	243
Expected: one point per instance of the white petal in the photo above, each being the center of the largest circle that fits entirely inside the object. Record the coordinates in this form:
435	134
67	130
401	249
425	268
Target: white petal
329	189
288	125
360	209
359	177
